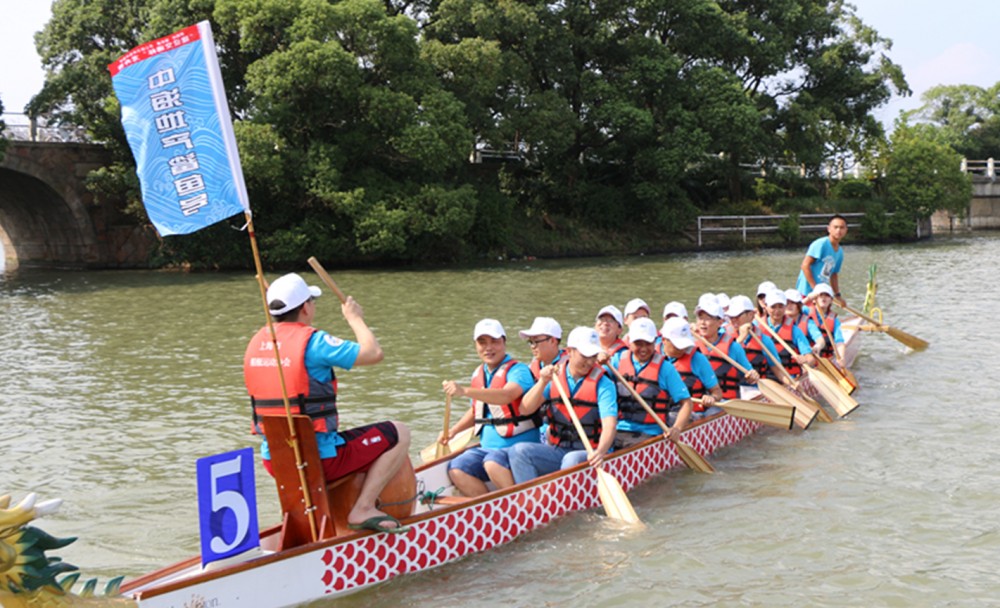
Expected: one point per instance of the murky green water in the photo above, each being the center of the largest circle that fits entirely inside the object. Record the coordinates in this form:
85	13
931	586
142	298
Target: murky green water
114	383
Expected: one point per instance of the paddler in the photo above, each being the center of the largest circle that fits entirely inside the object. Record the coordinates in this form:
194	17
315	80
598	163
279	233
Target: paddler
741	316
496	389
823	323
544	338
789	331
656	380
308	358
692	366
710	317
636	308
763	289
594	400
823	260
608	324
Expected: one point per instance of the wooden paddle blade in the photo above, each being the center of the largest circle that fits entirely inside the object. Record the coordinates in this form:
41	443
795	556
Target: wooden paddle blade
615	501
909	340
805	413
692	458
831	392
821	413
827	367
458	443
771	414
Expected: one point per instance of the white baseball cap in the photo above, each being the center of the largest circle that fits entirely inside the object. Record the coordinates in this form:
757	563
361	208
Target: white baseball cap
822	288
709	305
542	326
489	327
288	292
793	295
612	310
739	305
675	308
775	297
634	305
642	329
723	300
765	287
585	340
678	331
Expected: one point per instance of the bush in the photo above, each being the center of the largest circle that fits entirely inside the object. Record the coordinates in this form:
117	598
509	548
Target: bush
852	189
767	192
788	229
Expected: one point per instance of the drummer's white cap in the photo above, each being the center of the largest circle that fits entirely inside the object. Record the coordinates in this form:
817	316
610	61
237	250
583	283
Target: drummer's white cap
822	288
765	287
612	310
542	326
739	305
489	327
634	305
775	297
642	330
793	295
678	331
288	292
675	308
709	305
585	341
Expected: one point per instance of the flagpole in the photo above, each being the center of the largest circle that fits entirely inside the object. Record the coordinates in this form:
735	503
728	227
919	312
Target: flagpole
293	438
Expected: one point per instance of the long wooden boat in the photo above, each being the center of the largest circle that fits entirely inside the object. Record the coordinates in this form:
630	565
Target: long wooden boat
287	570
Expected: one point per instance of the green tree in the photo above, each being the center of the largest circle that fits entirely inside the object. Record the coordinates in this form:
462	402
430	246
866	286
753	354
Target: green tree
923	175
965	117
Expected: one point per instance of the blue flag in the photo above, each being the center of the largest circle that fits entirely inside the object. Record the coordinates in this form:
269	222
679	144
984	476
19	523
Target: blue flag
178	126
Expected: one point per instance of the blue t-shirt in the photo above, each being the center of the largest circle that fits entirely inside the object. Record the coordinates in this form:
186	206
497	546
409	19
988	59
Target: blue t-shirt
826	263
324	352
670	381
520	374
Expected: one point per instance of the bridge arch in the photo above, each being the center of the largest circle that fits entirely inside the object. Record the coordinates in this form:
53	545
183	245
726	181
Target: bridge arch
44	215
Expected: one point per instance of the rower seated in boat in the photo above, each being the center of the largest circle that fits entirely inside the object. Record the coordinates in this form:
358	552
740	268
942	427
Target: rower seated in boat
608	324
741	315
308	359
495	389
709	317
823	323
653	377
789	332
636	308
592	395
692	366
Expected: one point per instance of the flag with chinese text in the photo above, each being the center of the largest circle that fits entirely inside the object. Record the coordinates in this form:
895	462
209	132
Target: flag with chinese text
178	126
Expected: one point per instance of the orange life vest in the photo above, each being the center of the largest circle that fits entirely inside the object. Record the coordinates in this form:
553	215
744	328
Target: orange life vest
647	384
728	375
307	396
787	333
757	357
506	419
561	431
616	346
536	366
695	386
829	323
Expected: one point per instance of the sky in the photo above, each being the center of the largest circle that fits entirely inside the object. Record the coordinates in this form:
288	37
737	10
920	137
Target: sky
935	42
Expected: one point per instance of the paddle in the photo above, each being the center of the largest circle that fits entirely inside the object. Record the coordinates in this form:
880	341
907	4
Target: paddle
442	448
771	414
787	377
805	412
321	272
838	374
463	439
613	497
909	340
842	403
688	454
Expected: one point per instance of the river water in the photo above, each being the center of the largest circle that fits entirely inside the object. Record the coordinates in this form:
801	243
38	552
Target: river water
115	382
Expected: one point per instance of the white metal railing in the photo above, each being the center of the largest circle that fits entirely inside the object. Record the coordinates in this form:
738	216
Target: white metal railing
750	224
20	127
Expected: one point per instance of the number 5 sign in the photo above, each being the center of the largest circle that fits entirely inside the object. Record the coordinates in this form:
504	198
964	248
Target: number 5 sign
227	505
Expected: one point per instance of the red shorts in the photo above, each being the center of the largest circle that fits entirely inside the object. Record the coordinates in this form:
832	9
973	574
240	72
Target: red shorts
363	446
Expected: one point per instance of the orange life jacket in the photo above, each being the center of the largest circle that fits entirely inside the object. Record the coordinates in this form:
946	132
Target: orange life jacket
536	366
506	419
307	396
694	384
561	431
829	323
616	346
647	384
787	333
757	357
728	375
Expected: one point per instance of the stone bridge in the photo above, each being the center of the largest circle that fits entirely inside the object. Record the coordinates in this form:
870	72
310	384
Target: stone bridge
49	219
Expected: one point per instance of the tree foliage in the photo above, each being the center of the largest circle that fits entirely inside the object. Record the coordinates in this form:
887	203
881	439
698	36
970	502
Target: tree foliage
356	118
964	117
924	175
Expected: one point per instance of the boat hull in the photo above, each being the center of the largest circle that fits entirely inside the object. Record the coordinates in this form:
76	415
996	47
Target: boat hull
351	563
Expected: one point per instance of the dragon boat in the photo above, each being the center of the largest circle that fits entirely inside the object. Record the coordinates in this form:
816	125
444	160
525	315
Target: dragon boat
290	568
